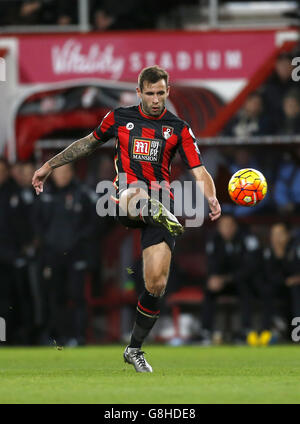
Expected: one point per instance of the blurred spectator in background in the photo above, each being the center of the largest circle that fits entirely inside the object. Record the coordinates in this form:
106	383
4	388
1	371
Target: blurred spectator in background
287	185
251	119
64	220
15	234
23	173
30	12
282	275
277	86
103	20
28	295
233	269
46	12
7	250
290	122
104	171
16	173
242	158
132	14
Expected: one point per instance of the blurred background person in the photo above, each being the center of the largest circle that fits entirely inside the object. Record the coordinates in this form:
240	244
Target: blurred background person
64	220
287	183
251	119
113	15
30	12
103	20
15	236
232	261
290	121
16	171
47	12
7	250
282	275
101	169
278	85
27	285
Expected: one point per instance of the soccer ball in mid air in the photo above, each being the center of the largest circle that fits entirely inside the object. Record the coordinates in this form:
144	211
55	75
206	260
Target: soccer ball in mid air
247	187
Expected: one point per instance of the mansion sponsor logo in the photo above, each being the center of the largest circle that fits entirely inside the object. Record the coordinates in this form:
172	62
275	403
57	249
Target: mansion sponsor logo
144	149
70	58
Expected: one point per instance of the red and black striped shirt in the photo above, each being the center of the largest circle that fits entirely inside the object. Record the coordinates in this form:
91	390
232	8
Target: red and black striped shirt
145	146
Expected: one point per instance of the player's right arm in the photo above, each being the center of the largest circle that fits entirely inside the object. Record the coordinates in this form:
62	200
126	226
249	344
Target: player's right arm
76	150
80	148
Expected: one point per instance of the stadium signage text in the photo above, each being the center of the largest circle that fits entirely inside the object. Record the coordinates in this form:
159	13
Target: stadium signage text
70	58
199	55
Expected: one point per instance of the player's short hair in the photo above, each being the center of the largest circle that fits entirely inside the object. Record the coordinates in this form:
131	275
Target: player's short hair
152	74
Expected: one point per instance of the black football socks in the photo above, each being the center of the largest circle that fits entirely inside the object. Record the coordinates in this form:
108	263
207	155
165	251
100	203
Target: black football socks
146	316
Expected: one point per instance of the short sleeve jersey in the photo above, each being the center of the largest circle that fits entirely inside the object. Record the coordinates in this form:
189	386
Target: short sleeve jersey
145	146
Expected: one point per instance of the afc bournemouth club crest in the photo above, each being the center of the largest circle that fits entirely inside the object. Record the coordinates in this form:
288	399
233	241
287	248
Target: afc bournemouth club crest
167	132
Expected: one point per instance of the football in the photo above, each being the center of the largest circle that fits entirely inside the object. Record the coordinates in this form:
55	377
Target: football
247	187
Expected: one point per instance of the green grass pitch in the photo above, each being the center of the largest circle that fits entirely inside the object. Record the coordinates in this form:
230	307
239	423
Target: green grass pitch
221	374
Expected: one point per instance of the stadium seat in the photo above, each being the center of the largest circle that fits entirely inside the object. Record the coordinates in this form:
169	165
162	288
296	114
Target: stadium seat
111	303
187	296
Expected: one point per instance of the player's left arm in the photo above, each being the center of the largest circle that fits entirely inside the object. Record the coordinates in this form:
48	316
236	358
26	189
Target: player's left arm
207	185
189	151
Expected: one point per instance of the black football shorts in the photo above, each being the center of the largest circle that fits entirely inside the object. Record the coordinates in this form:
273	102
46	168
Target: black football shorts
150	235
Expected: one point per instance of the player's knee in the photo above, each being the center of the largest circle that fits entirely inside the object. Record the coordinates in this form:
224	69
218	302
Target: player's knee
157	286
129	199
132	192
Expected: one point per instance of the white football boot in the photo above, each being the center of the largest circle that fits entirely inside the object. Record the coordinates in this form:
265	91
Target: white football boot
135	357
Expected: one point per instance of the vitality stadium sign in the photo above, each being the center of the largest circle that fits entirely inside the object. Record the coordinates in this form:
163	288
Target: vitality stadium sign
185	55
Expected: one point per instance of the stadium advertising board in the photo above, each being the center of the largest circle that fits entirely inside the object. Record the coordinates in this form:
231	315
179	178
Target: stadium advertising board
201	55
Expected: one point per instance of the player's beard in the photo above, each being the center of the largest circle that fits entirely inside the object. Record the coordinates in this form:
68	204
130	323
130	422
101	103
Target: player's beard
148	110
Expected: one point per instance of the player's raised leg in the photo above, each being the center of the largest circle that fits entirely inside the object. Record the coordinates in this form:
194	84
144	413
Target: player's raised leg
152	212
156	260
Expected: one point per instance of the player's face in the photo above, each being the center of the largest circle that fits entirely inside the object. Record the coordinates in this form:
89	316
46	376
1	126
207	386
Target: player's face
153	97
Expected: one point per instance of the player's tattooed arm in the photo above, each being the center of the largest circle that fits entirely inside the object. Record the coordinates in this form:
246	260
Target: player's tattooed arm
76	150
